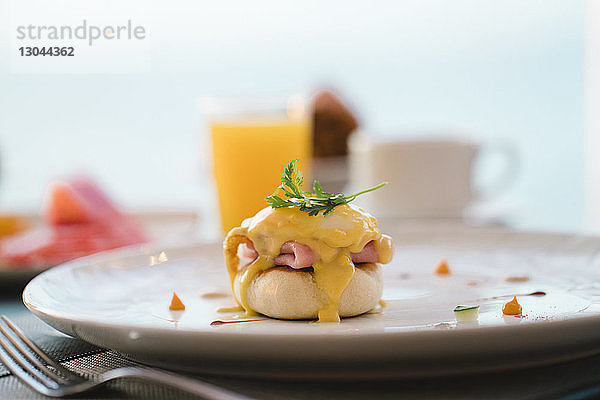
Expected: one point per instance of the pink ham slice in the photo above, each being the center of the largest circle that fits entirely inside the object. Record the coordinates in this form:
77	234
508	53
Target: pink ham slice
367	254
81	220
51	245
298	255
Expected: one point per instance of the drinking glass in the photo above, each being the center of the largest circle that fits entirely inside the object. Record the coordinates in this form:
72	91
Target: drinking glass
252	140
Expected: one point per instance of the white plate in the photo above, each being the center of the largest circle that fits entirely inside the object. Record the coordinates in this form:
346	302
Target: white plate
160	225
120	300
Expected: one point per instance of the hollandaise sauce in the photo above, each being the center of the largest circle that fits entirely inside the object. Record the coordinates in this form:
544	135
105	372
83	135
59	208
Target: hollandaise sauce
332	238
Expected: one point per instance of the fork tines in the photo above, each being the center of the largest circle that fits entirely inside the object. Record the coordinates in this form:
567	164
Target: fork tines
27	362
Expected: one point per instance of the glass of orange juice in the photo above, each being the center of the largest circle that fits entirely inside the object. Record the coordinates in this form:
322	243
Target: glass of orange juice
252	140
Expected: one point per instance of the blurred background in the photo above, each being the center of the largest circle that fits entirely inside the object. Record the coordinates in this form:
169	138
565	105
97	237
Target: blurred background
510	72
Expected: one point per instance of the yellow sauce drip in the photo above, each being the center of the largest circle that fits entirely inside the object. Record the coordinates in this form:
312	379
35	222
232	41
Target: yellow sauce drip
332	278
347	229
230	309
262	263
385	248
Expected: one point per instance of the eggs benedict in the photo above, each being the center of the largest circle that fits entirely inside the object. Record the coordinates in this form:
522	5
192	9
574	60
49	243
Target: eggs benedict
290	262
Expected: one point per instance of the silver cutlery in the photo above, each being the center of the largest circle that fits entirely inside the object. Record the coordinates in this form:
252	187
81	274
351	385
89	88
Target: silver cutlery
37	370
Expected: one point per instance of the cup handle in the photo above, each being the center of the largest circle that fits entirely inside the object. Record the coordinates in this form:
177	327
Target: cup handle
512	166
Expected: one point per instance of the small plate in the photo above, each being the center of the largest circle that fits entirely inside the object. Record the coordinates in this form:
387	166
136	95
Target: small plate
120	299
160	225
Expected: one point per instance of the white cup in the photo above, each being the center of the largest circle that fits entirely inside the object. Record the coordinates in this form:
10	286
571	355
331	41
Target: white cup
431	178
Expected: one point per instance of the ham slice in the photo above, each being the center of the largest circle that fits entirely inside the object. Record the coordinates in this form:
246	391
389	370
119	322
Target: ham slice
51	245
297	255
81	220
79	200
247	254
367	254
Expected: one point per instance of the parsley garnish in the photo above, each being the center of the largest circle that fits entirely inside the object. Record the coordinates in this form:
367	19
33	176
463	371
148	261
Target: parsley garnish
311	202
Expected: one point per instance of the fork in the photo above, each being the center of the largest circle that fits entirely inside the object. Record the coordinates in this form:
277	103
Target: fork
37	370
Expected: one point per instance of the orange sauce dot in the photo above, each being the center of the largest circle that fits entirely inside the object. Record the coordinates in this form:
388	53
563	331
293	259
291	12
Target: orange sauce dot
442	268
176	304
512	307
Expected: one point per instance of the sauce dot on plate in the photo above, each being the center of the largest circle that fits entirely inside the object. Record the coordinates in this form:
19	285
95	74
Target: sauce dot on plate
517	278
176	304
213	295
512	307
442	268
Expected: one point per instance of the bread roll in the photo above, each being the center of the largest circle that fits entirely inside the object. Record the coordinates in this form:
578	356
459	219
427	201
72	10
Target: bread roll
286	293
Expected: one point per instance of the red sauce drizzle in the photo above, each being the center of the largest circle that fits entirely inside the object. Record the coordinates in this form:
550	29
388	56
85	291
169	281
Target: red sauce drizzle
221	322
540	293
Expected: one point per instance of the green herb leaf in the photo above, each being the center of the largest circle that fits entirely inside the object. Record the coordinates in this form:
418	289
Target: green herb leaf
318	191
310	202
